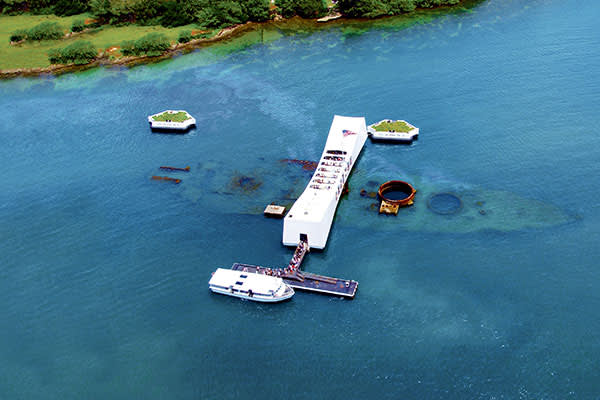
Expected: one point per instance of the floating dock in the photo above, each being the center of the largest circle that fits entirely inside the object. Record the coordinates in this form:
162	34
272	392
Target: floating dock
307	281
297	279
274	211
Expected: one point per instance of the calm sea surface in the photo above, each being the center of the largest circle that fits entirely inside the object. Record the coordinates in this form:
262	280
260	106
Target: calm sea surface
103	272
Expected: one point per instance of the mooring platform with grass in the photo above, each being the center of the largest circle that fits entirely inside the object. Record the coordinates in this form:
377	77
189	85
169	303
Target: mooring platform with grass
395	131
177	120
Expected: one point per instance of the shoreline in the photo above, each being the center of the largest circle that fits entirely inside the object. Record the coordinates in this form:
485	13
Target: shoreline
289	24
129	61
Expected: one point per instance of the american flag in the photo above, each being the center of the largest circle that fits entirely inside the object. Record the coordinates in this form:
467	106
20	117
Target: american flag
346	132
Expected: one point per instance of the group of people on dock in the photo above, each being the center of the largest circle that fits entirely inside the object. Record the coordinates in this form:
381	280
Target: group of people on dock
292	267
298	256
278	272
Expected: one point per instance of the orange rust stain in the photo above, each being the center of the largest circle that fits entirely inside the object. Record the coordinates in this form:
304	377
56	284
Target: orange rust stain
165	178
306	165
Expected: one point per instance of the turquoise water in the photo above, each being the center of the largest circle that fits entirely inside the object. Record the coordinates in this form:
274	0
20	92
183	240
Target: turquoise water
103	278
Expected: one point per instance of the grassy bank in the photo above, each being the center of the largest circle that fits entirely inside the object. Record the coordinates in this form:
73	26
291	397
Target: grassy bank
35	54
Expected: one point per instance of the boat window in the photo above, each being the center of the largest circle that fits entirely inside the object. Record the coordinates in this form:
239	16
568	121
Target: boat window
243	276
239	283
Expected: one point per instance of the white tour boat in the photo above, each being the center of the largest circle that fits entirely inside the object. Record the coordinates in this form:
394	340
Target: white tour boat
249	286
311	216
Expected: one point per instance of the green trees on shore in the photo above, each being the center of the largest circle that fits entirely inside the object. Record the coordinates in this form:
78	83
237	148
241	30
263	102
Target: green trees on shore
152	44
211	13
218	14
43	31
84	52
58	7
303	8
170	13
79	52
379	8
78	25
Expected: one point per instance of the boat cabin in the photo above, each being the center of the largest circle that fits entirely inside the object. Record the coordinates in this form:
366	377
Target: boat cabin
249	285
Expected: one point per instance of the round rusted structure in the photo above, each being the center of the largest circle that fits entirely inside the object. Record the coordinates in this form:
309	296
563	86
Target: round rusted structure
397	192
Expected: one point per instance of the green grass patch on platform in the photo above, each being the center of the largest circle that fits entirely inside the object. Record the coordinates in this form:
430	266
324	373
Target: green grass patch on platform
174	117
395	126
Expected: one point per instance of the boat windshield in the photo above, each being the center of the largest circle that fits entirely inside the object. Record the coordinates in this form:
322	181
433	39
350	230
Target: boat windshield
280	290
